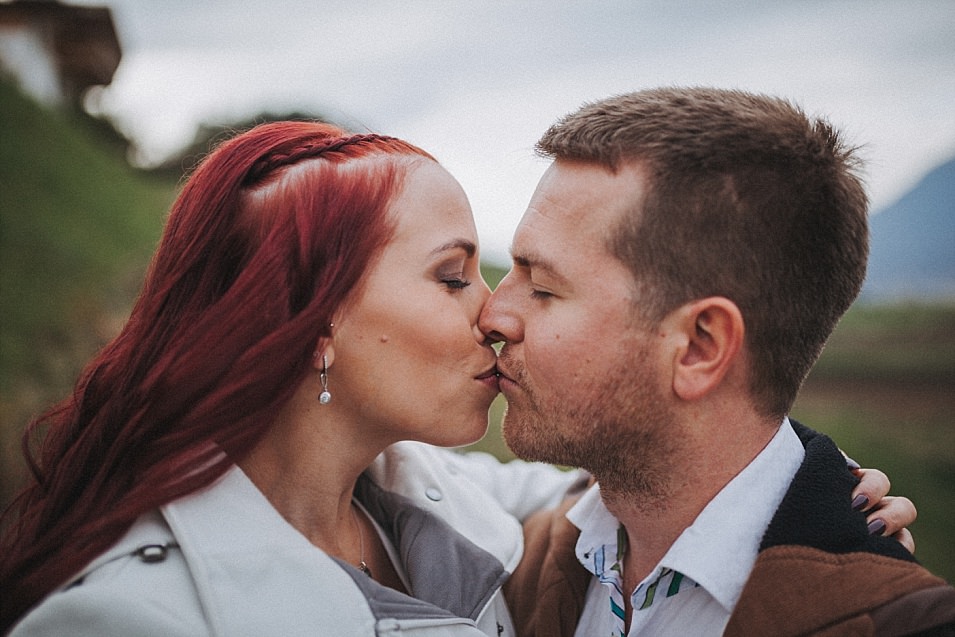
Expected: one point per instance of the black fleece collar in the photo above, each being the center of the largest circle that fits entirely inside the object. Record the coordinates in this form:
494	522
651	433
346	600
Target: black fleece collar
816	510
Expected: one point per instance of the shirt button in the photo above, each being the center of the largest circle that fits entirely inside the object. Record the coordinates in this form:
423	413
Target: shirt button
433	494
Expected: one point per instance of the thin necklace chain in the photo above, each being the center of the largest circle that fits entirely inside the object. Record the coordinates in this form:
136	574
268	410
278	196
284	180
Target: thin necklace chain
362	566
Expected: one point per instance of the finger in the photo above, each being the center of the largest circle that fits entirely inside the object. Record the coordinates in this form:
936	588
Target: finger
905	539
873	486
852	464
893	514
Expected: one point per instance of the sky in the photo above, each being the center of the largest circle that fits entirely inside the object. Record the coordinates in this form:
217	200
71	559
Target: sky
476	83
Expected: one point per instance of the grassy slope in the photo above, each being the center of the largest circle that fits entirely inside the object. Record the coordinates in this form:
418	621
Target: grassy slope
77	226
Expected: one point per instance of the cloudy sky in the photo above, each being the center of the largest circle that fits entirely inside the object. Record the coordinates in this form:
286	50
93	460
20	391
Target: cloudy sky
475	83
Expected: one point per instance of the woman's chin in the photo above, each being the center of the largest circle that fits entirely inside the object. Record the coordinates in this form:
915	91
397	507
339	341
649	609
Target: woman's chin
469	435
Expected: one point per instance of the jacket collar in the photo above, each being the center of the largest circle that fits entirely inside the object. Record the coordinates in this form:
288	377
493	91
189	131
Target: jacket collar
435	554
815	511
250	566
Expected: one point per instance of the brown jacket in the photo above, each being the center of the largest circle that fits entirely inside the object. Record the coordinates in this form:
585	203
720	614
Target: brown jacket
818	572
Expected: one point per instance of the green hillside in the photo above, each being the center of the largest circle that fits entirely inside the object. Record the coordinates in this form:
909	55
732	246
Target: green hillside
77	225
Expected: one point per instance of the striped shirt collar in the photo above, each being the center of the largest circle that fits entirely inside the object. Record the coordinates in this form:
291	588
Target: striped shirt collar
719	549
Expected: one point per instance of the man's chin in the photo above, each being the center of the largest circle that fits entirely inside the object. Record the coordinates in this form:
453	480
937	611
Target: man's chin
515	434
527	440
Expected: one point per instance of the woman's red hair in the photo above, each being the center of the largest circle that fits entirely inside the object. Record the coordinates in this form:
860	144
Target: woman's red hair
267	239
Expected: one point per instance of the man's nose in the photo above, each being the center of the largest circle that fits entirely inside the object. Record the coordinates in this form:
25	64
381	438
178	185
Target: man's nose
499	319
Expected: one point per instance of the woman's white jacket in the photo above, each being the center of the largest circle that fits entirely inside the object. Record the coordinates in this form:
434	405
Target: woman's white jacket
223	562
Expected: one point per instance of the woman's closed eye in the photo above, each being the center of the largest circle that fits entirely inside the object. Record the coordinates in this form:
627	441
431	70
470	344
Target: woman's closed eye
455	282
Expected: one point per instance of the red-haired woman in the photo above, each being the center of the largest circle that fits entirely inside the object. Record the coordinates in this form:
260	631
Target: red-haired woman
226	465
232	463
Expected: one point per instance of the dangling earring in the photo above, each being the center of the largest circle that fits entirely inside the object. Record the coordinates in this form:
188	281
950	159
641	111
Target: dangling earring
325	397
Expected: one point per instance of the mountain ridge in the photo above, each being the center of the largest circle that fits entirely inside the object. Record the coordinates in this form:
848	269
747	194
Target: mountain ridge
912	243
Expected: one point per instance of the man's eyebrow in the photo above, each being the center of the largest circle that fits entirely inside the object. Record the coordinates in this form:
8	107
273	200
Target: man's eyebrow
536	262
468	246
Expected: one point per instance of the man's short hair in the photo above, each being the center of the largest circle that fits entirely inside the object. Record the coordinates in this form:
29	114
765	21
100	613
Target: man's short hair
747	198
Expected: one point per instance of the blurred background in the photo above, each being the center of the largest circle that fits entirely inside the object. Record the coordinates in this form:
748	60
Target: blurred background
104	106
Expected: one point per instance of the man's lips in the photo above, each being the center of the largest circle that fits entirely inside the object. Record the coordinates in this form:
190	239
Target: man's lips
502	375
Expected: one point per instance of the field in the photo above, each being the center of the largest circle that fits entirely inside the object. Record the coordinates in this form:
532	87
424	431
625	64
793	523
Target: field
885	391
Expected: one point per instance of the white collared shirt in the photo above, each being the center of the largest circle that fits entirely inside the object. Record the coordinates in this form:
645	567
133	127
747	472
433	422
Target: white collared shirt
695	586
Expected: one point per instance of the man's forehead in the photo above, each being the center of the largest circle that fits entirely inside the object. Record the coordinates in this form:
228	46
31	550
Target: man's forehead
538	235
578	199
549	235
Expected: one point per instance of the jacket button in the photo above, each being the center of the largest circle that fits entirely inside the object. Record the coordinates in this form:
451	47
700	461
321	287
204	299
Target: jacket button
433	494
151	553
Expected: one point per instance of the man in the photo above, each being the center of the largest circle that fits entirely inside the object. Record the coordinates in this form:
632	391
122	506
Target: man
675	277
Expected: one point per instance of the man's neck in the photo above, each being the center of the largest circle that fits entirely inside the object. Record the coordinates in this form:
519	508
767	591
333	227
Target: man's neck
653	528
653	522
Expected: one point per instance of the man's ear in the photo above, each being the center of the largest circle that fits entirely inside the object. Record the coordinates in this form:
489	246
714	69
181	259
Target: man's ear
712	334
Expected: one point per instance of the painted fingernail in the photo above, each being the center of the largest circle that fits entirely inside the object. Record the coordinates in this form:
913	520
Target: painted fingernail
852	464
876	527
859	502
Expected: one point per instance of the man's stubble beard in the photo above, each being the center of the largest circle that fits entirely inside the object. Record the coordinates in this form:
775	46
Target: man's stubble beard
616	428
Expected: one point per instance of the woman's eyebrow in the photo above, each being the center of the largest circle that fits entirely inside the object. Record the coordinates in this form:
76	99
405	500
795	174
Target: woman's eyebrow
468	246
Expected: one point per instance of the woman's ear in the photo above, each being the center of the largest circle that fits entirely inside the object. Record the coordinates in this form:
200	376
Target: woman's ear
329	356
712	332
324	347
